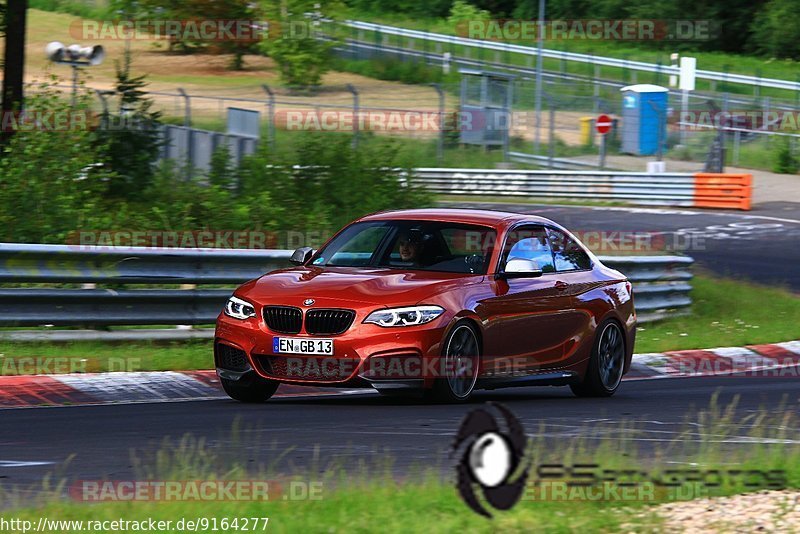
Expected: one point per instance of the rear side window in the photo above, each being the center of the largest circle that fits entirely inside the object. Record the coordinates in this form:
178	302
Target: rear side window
569	256
530	243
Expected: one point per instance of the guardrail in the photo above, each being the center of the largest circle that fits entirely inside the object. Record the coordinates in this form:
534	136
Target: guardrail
699	190
661	283
572	56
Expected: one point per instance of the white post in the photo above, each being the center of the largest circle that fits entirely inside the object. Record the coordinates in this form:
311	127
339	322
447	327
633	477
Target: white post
688	70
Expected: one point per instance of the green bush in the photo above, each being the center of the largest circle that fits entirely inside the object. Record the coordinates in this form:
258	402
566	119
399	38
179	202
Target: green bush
462	12
302	58
322	183
90	10
785	162
396	70
52	181
56	183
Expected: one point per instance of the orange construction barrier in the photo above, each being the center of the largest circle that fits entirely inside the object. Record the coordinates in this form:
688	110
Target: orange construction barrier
731	191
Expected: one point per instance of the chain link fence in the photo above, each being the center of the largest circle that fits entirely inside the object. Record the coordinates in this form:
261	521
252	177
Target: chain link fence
700	132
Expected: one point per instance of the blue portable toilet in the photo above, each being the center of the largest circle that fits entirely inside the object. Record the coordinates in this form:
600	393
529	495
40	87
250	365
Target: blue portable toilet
644	118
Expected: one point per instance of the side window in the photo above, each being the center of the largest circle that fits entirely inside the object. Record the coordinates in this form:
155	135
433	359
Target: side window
530	243
569	256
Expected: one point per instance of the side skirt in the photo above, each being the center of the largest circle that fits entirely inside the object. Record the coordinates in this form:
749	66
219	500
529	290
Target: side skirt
556	378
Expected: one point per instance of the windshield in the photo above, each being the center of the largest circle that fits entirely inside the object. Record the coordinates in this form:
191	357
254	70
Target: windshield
414	245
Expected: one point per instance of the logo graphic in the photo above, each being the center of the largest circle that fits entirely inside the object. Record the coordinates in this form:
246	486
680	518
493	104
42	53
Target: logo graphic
308	302
492	467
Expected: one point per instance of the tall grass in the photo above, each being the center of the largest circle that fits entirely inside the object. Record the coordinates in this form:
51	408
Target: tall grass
371	492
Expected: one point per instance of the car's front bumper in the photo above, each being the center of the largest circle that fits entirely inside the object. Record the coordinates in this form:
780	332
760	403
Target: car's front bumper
366	355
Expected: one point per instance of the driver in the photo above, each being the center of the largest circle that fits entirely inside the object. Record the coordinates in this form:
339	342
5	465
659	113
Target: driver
409	246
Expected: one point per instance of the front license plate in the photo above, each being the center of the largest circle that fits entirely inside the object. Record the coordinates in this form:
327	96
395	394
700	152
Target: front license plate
295	345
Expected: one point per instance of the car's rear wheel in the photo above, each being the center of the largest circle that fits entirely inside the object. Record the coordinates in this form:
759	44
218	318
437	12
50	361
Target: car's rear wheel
461	363
249	388
606	364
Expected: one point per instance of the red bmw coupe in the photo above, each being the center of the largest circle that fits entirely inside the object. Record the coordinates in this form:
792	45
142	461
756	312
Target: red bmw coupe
441	301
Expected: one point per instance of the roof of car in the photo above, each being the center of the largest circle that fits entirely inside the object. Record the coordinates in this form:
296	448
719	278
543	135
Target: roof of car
457	215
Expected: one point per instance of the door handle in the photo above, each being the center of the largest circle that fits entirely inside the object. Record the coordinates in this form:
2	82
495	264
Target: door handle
561	286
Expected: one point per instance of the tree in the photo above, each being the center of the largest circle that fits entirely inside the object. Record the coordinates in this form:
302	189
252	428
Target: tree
291	41
191	11
774	33
132	138
12	24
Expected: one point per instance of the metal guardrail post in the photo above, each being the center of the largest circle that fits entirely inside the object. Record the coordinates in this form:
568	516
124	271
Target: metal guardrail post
356	128
270	115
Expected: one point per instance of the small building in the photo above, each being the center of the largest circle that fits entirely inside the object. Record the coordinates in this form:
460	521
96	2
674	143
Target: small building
485	109
644	118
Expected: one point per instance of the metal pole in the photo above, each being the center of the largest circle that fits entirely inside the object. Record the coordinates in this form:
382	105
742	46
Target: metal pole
74	85
596	86
187	123
661	114
440	142
551	130
187	109
684	110
354	92
270	115
603	151
538	104
551	142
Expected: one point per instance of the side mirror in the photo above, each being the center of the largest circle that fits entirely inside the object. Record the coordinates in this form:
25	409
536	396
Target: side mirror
301	255
520	268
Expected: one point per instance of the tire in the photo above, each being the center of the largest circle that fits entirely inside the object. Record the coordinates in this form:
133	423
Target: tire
461	355
250	388
604	373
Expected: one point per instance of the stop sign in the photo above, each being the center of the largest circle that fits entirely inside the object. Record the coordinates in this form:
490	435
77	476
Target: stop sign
603	124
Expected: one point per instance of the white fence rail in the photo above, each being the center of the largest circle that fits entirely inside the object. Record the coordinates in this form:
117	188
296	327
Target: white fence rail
572	56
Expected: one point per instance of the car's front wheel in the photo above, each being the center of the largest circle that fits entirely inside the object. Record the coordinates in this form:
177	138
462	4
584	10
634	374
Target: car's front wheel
606	364
461	363
249	388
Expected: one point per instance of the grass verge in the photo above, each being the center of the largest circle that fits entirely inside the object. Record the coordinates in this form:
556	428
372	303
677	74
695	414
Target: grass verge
716	451
725	313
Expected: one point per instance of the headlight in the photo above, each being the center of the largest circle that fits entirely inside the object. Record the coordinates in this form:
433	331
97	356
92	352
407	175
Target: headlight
410	316
239	309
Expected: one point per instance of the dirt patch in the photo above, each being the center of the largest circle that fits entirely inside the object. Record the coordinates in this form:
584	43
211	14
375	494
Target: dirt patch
767	511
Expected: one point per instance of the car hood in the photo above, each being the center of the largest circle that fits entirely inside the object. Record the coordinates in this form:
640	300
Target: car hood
347	286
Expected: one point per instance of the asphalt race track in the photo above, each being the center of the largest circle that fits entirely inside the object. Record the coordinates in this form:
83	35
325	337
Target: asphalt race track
762	245
37	441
